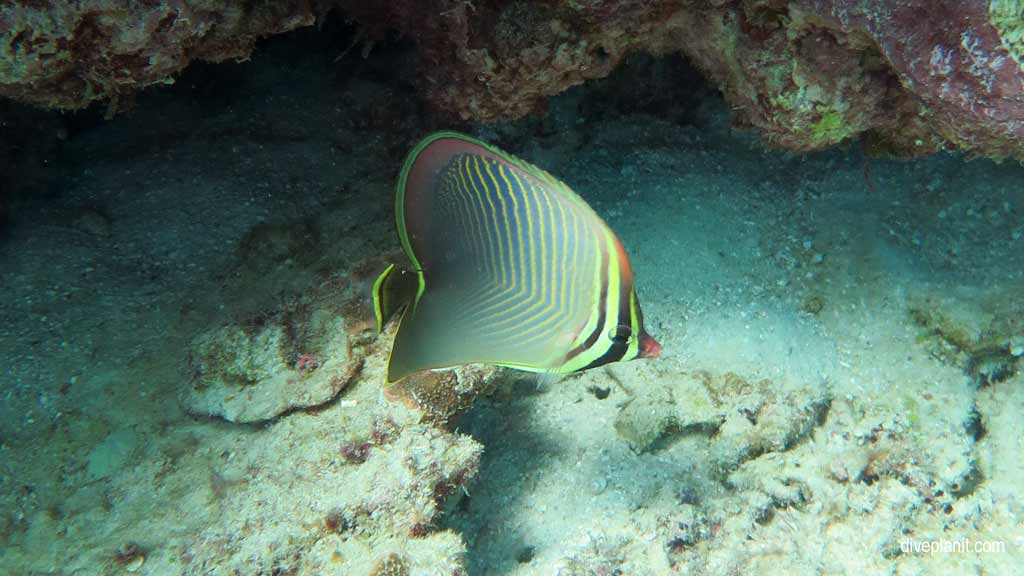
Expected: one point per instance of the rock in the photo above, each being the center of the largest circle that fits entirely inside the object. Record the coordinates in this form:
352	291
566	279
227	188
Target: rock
981	335
405	482
649	416
999	451
131	557
339	516
69	54
1017	346
391	565
442	395
111	454
739	418
250	374
93	222
911	76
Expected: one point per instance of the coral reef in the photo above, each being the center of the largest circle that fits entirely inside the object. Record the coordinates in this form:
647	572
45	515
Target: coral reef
391	565
296	331
806	73
341	516
842	371
407	480
741	418
784	476
297	357
67	55
375	513
373	475
442	395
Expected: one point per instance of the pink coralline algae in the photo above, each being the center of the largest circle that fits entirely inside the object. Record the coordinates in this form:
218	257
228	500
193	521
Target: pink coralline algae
911	76
962	60
307	363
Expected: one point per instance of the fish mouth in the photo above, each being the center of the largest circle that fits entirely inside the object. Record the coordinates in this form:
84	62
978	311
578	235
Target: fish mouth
649	347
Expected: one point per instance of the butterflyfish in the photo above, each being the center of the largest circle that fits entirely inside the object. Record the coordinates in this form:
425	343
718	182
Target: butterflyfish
507	266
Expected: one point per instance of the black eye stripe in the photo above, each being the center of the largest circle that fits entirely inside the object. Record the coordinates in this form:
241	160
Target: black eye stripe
619	345
621	333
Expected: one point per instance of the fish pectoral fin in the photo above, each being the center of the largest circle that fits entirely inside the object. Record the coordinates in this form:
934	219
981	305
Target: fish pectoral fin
393	289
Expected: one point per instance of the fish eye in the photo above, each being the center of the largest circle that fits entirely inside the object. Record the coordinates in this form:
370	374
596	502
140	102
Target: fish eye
621	333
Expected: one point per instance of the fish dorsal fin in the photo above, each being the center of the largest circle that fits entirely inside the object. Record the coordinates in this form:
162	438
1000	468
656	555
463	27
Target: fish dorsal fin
514	268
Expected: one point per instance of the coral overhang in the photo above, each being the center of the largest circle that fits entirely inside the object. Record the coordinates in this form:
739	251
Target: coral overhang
911	76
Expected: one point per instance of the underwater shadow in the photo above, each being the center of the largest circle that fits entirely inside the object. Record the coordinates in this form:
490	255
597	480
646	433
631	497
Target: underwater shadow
515	458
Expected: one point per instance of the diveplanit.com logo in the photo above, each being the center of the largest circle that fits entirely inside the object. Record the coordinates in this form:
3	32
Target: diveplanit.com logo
955	546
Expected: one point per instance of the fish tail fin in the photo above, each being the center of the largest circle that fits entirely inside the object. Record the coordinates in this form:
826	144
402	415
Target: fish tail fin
393	289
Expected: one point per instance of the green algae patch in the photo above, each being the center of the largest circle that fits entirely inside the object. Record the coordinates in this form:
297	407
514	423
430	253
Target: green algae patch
1007	16
830	128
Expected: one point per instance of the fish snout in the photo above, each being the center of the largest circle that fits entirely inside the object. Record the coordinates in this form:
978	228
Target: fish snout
649	347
